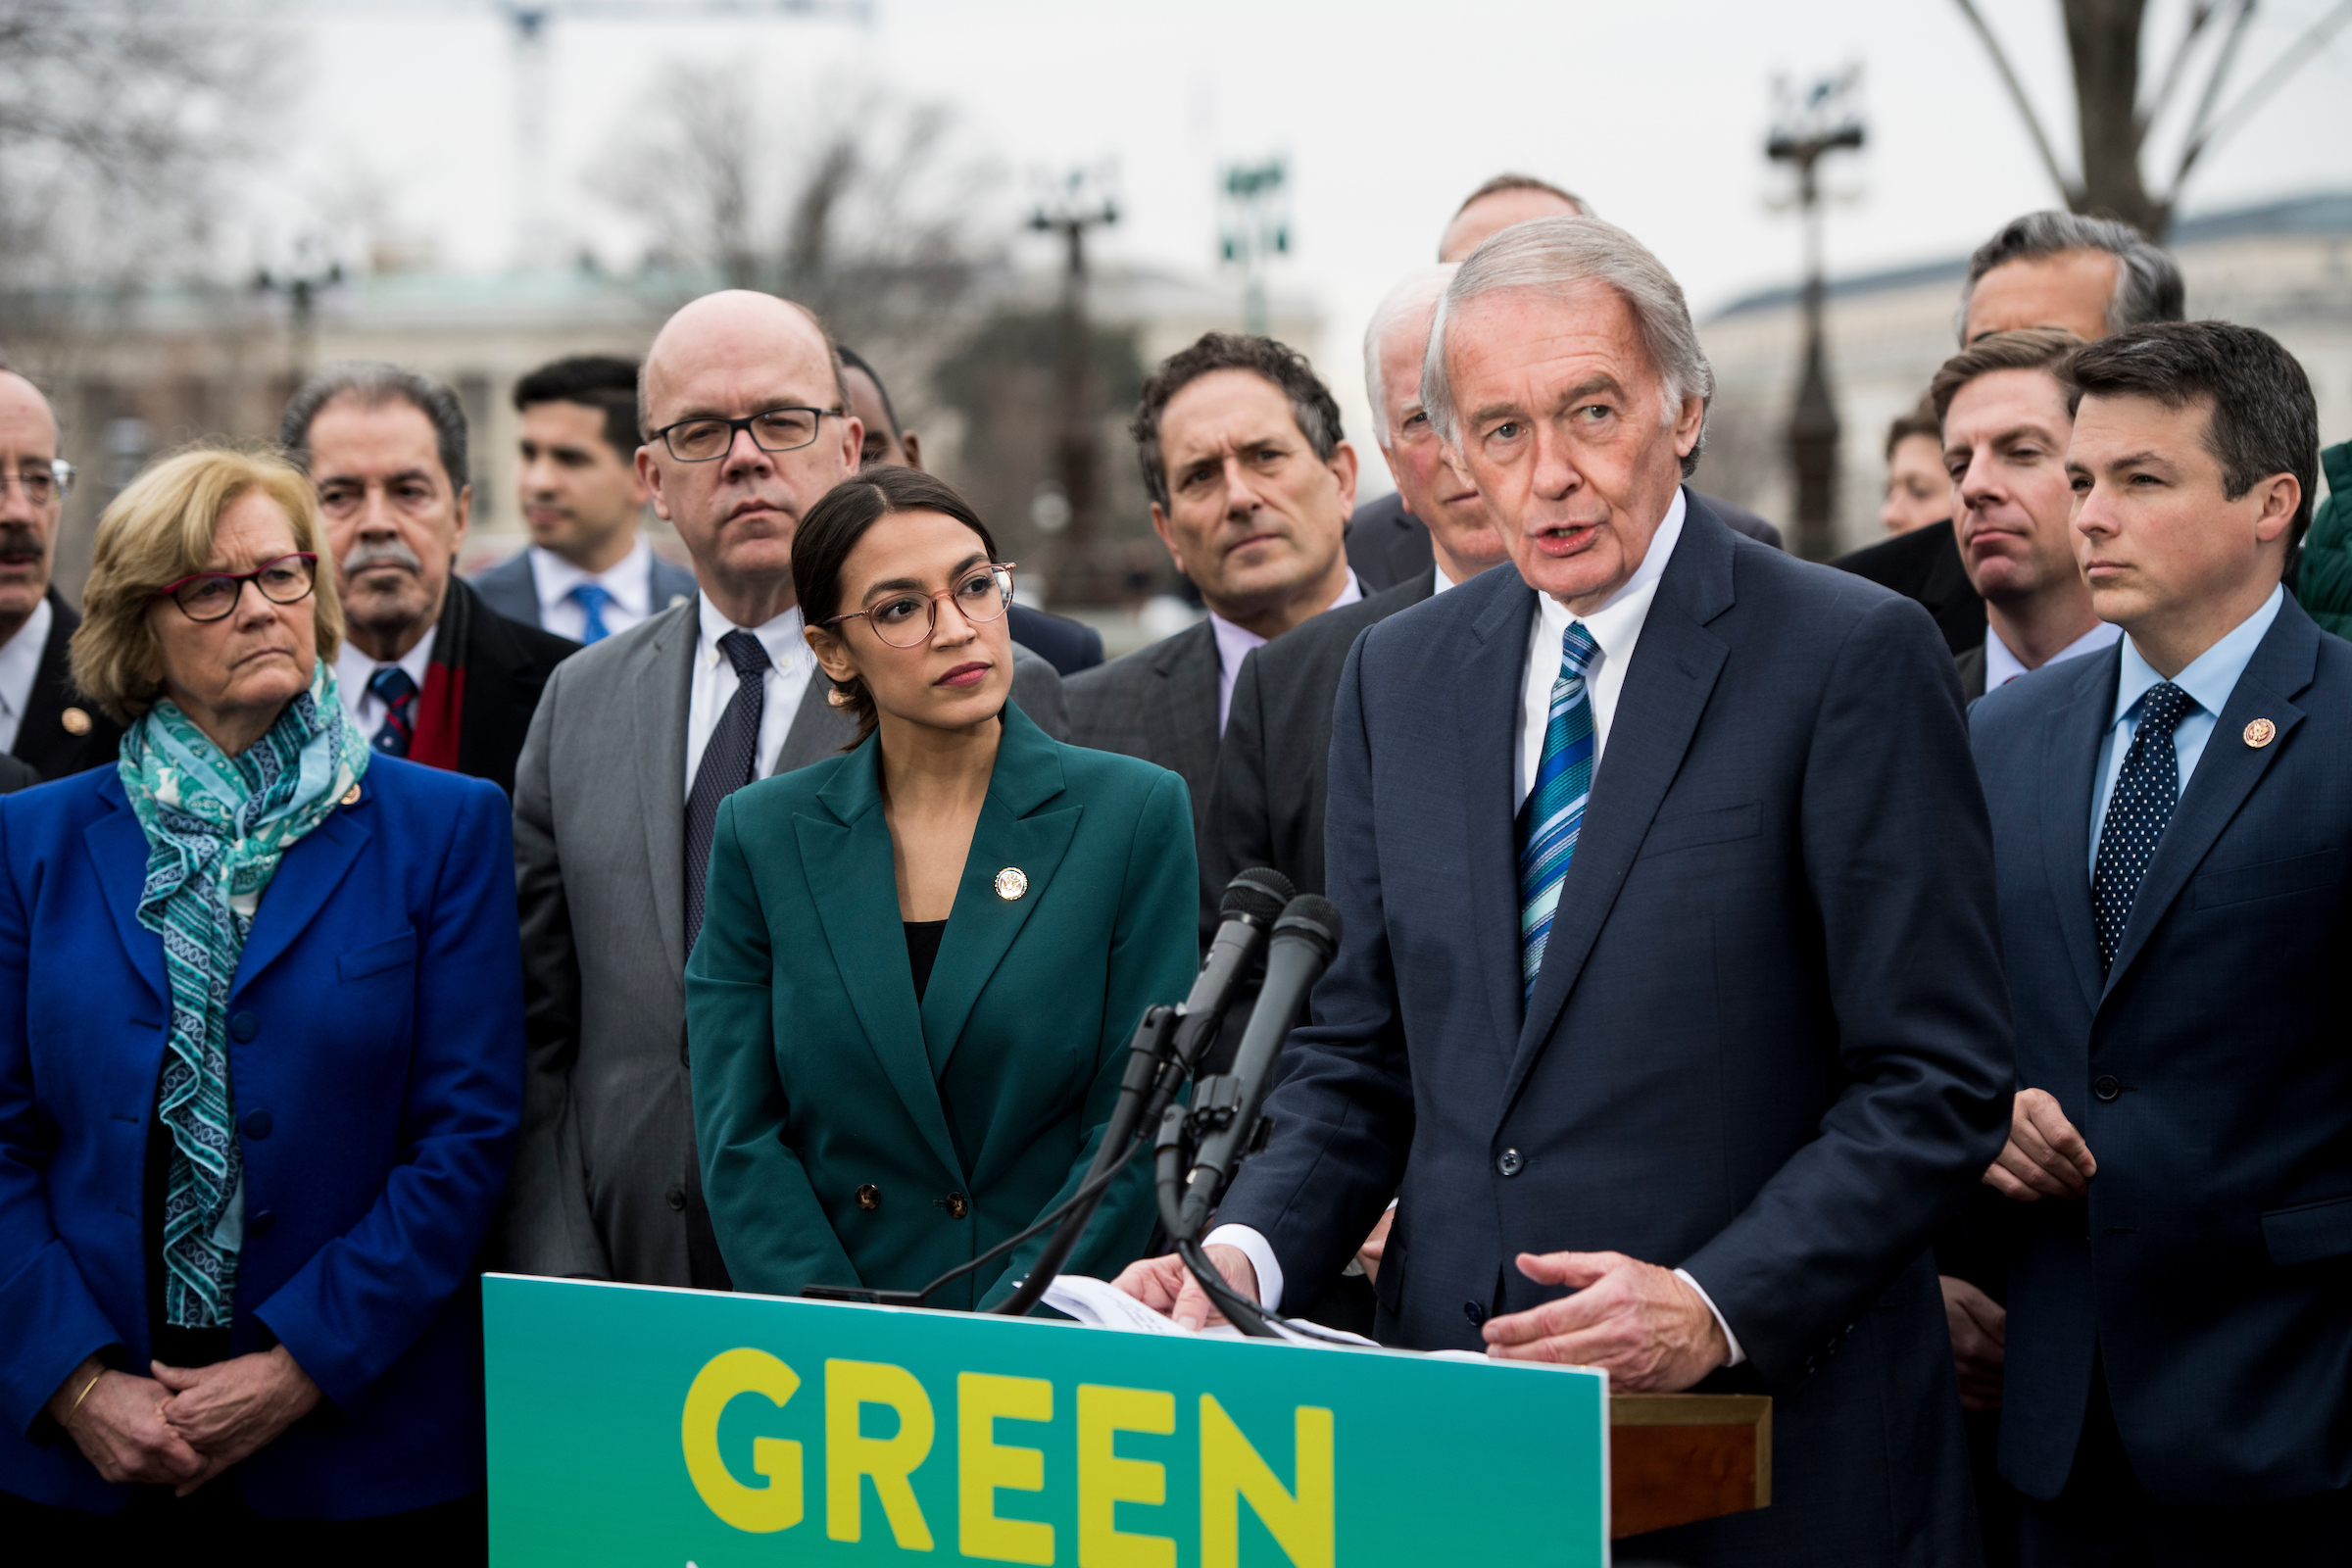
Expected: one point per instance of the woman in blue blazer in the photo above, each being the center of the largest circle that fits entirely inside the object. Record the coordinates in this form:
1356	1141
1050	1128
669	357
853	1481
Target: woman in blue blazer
920	964
261	1068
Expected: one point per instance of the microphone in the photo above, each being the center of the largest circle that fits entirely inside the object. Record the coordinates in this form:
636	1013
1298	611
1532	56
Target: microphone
1253	901
1305	941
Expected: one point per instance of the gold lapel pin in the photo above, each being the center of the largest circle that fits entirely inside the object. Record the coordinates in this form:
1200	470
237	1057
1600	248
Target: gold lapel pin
76	722
2260	733
1011	883
351	796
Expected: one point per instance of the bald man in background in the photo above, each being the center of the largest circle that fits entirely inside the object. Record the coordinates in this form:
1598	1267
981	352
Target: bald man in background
636	742
1386	544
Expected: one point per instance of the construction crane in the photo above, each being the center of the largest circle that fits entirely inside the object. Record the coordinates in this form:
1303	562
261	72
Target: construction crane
536	237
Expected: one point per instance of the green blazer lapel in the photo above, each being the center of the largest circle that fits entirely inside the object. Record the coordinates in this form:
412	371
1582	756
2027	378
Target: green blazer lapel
1012	835
855	891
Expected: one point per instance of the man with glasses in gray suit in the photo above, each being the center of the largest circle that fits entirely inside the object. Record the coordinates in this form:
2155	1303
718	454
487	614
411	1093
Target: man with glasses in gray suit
636	742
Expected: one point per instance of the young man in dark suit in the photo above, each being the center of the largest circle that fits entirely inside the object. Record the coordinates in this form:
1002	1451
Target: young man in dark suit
45	722
588	572
1251	485
2172	830
1635	847
428	671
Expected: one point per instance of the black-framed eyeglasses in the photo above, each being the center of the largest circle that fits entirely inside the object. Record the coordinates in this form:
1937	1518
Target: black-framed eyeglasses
43	484
908	620
212	595
707	438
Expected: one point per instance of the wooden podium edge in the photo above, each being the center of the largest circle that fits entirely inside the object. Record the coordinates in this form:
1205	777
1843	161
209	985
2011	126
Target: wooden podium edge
1677	1458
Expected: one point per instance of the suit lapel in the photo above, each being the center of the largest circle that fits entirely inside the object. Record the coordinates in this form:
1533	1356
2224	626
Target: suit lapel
855	892
1186	716
1491	710
982	926
2070	758
2226	773
117	846
659	688
1674	669
306	879
817	729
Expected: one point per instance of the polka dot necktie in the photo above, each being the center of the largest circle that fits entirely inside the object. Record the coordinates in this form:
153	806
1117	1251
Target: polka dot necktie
2145	792
392	687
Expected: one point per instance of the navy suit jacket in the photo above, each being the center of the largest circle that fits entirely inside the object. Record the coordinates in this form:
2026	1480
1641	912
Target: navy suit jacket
2209	1270
1769	1042
375	1029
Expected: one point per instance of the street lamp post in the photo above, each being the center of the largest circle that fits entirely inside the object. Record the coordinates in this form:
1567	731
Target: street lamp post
1822	121
1258	225
1075	209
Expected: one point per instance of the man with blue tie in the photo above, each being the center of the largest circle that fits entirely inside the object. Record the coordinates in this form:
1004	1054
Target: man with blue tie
1637	848
2173	831
588	572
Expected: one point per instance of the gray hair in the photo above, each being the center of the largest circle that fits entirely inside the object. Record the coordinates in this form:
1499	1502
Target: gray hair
1416	290
1551	254
375	383
2147	280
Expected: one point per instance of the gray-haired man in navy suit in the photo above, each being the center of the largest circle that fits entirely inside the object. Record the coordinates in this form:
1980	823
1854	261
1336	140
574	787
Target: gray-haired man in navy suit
1638	849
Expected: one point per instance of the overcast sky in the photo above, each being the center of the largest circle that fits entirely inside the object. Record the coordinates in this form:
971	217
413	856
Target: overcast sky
1387	111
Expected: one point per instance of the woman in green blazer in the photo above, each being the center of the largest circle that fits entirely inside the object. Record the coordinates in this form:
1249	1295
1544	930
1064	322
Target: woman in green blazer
922	961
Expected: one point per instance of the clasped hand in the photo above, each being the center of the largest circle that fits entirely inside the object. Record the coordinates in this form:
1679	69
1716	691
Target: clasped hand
2045	1156
184	1425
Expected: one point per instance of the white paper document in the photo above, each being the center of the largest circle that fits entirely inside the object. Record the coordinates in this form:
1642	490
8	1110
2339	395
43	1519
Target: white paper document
1104	1306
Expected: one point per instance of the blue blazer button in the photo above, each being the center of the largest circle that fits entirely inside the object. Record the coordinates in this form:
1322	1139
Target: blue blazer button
258	1124
259	1225
243	1027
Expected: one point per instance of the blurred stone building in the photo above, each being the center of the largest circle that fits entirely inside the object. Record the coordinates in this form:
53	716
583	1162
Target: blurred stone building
2284	267
138	375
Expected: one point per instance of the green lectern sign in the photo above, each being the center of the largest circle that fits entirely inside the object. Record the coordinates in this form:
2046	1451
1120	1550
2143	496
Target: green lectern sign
660	1429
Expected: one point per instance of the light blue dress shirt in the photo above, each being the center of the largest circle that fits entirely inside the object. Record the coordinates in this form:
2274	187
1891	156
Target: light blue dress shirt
2208	681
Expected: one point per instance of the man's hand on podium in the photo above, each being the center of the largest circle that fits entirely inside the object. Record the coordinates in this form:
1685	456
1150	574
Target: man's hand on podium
1650	1332
1165	1285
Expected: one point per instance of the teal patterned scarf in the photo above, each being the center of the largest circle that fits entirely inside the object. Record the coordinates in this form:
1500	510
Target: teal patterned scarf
217	827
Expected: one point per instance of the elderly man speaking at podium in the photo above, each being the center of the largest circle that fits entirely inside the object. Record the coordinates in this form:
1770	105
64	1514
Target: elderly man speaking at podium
1670	999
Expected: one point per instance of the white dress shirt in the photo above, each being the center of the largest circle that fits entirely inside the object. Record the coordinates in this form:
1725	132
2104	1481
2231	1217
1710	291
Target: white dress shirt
20	670
1234	642
1615	627
2208	681
790	666
2001	667
629	580
355	669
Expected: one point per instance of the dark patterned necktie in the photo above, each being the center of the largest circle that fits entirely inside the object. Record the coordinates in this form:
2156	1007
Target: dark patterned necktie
728	758
2145	793
392	687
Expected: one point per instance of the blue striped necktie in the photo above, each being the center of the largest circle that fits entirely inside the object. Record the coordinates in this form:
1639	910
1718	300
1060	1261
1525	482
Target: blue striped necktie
1555	805
592	601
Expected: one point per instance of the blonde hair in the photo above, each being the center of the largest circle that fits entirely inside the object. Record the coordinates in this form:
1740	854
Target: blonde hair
160	529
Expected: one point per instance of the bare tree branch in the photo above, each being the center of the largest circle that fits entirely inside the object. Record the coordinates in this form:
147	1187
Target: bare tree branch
2199	14
2203	136
2067	188
2221	62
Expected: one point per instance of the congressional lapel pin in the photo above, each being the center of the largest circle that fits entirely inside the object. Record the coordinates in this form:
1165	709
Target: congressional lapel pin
1011	883
2260	733
351	796
76	722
